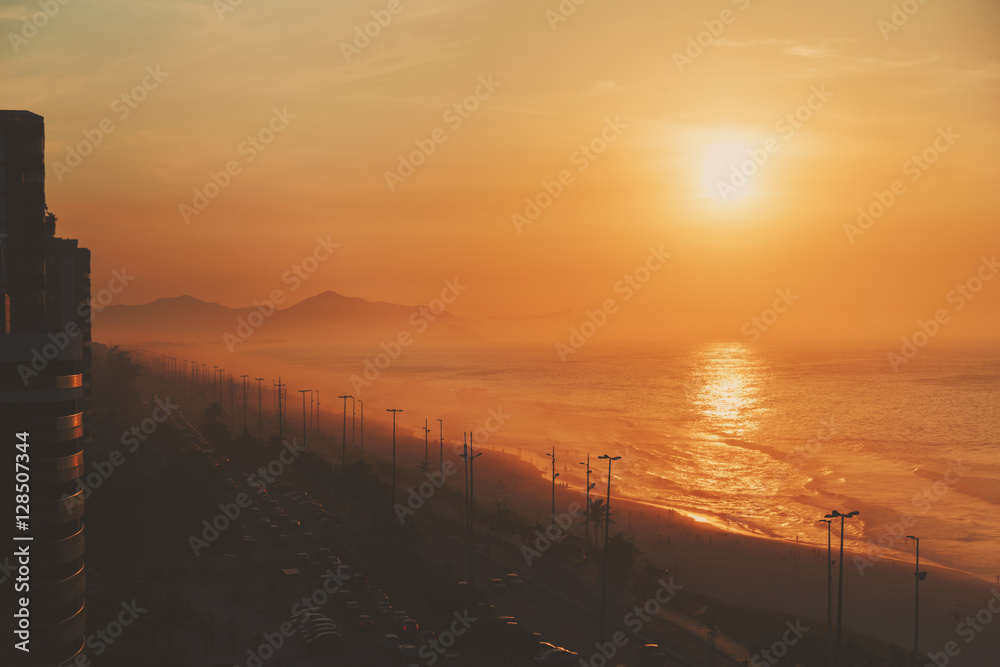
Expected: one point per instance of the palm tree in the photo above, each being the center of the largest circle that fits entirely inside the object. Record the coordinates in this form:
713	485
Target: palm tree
621	553
598	516
214	412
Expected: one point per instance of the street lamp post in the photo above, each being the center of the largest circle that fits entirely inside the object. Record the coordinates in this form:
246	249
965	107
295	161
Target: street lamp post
362	443
607	524
244	376
829	590
303	392
260	414
393	411
343	454
918	577
441	450
589	487
426	431
554	475
840	591
472	510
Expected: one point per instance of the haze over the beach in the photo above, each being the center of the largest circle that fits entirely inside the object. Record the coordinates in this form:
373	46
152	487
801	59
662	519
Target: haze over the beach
678	117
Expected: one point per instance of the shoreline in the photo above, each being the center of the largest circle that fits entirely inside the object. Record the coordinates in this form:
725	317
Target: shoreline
733	567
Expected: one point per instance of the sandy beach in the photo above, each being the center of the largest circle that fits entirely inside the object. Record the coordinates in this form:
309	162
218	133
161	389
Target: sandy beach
747	571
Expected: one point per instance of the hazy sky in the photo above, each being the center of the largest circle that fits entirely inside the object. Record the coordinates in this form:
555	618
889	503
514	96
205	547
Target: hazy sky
676	118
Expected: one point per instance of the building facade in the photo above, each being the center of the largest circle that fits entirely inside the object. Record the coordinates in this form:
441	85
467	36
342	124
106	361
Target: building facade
44	385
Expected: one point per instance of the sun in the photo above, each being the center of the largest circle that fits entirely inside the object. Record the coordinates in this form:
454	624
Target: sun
727	170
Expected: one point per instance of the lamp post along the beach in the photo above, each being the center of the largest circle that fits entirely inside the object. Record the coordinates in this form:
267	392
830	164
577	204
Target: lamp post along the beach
343	439
260	413
426	431
840	591
829	590
244	376
918	576
441	448
554	475
589	487
472	510
607	525
393	411
303	392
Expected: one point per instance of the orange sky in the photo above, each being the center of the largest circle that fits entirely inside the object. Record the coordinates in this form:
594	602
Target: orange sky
556	86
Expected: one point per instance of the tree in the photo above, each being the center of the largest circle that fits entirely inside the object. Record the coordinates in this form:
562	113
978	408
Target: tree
214	412
598	517
621	554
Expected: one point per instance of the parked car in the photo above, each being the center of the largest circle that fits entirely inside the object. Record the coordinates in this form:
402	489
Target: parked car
652	655
390	642
557	656
512	580
366	622
497	585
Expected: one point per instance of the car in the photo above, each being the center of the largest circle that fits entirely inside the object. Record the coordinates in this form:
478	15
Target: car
366	622
497	585
283	539
399	615
308	538
556	656
507	620
295	525
409	627
408	653
512	580
352	609
652	655
452	660
248	542
317	630
390	642
324	640
301	559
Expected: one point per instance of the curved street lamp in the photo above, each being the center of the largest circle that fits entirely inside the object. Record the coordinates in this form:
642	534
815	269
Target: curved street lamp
840	591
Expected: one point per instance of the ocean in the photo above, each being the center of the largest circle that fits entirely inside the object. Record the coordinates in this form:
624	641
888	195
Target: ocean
760	440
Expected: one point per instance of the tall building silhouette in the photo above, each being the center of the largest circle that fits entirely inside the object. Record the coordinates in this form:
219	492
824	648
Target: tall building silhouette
44	384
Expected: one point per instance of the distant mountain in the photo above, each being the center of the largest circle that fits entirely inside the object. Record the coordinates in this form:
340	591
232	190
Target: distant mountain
328	316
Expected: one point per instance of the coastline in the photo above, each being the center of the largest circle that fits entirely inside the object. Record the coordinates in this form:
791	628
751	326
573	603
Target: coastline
737	568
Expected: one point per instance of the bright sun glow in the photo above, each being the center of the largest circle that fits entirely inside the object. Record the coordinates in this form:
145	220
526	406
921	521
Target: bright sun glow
724	171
